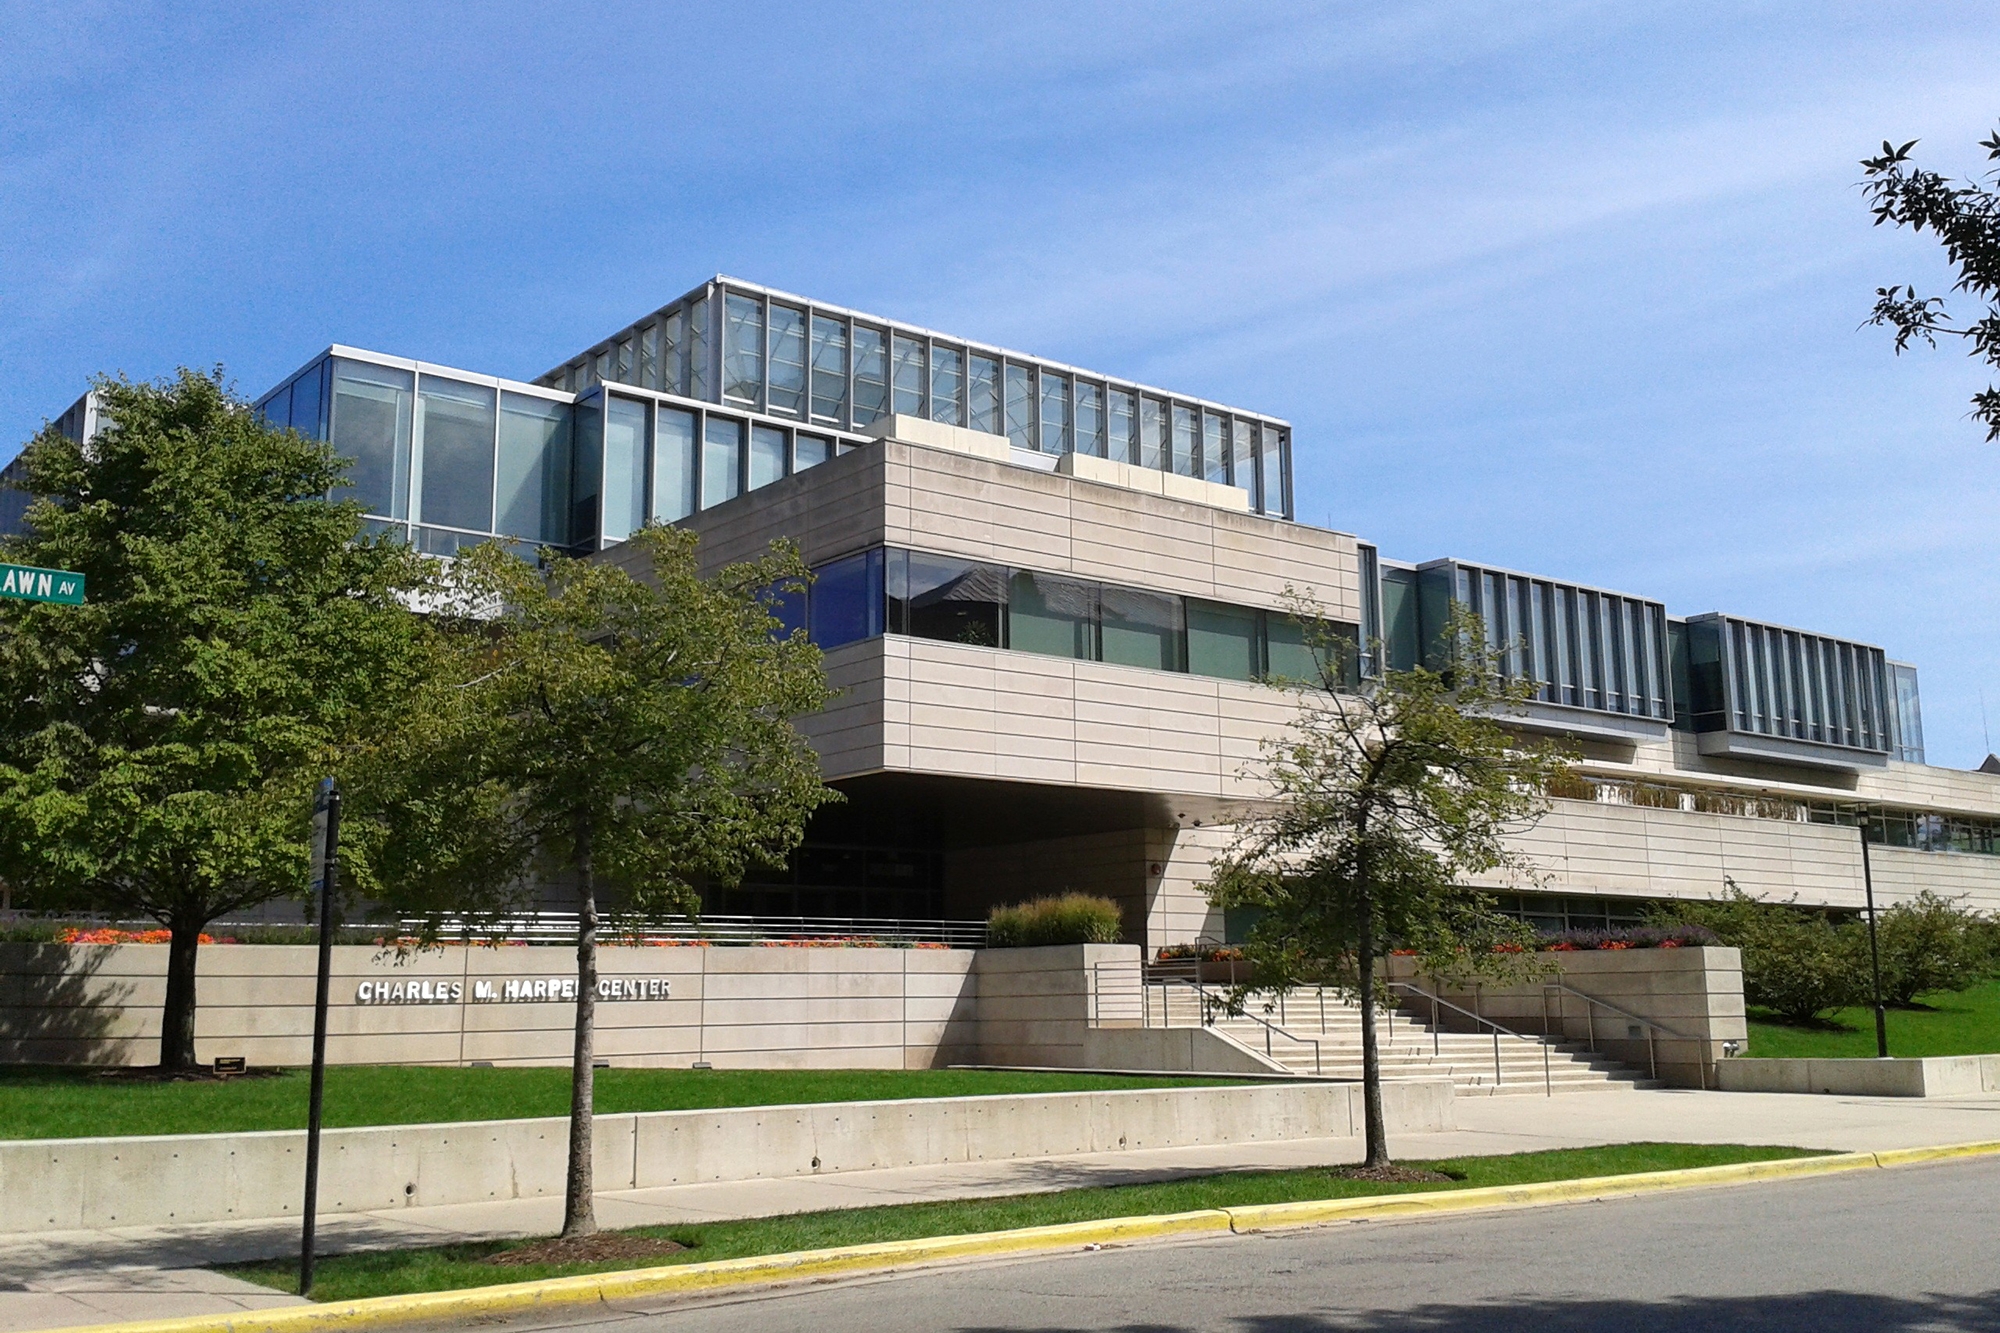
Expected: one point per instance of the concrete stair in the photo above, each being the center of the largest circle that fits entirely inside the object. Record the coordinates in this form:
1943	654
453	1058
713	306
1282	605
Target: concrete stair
1407	1045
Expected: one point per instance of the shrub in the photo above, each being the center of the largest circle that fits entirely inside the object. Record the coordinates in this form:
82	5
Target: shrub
1930	943
1071	918
1797	962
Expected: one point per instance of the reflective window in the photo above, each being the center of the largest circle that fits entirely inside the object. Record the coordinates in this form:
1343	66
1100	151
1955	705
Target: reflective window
587	468
1153	434
767	455
947	377
846	600
1277	498
673	352
743	350
628	447
1090	419
787	605
1124	445
721	454
1055	413
1020	406
788	361
621	361
649	356
871	376
697	348
906	366
307	393
829	370
277	409
1142	629
1052	615
1222	641
810	451
1214	459
673	465
455	438
1186	446
534	469
935	597
1242	455
983	395
1288	652
373	407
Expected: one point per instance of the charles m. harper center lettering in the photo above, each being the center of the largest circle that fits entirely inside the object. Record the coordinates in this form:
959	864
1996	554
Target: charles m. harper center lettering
542	989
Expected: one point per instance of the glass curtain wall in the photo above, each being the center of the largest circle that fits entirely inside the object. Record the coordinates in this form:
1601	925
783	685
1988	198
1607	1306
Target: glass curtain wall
673	465
456	426
1769	681
534	469
804	363
373	414
628	450
721	461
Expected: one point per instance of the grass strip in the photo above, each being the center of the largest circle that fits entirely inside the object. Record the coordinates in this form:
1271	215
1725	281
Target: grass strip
448	1267
42	1101
1963	1022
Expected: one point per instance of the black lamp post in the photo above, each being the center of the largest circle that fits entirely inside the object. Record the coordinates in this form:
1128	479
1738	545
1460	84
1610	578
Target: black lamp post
1874	949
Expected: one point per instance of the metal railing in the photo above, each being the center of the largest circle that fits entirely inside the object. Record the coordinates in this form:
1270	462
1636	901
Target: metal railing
1654	1031
1214	1004
1117	992
560	928
1480	1020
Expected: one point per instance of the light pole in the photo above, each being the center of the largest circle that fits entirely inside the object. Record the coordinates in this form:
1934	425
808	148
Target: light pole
325	857
1874	949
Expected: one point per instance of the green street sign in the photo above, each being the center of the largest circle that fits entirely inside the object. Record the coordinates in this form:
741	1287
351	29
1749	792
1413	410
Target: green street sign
41	585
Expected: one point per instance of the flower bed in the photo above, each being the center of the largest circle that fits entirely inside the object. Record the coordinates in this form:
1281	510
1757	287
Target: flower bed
1634	937
1207	953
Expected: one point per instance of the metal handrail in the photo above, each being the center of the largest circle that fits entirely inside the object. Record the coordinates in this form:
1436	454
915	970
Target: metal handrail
1653	1030
1548	1079
1209	1003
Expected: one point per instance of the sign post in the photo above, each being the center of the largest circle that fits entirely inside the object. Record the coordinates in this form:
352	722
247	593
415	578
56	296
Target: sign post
28	584
325	850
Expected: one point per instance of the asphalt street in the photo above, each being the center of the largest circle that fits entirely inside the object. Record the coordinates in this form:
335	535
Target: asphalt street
1905	1249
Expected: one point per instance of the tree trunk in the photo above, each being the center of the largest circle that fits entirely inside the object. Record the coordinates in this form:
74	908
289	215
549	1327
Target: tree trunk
177	1018
579	1211
1377	1136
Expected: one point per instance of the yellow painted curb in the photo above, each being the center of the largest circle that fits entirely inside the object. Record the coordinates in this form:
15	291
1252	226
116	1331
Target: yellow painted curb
1911	1156
634	1283
1264	1217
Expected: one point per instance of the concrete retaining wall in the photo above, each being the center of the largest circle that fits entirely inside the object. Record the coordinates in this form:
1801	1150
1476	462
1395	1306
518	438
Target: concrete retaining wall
1935	1076
1697	993
67	1184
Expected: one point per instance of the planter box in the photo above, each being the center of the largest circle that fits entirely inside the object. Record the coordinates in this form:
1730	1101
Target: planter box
1934	1076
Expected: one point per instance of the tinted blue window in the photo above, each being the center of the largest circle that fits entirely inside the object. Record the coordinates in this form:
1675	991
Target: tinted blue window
846	602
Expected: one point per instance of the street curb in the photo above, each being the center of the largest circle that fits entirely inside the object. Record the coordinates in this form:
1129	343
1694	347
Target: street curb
552	1293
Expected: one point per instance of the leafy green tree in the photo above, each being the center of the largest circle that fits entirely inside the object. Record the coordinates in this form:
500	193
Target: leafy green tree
1930	943
1386	799
1797	962
162	741
1965	216
622	719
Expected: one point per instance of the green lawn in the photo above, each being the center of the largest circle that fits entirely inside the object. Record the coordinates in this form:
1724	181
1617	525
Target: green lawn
1963	1022
40	1102
383	1273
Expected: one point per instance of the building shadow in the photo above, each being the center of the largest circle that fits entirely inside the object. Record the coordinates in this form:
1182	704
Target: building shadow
55	1009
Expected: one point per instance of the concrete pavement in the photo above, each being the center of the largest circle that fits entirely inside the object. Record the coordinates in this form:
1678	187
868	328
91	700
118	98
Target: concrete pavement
63	1278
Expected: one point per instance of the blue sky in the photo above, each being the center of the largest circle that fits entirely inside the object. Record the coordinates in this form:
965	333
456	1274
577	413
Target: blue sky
1567	287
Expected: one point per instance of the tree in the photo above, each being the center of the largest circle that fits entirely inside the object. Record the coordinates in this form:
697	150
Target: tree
1386	799
1965	215
1797	962
633	730
1930	943
162	741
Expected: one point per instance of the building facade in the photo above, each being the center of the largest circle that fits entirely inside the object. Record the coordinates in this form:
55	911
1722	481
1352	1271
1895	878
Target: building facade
1052	600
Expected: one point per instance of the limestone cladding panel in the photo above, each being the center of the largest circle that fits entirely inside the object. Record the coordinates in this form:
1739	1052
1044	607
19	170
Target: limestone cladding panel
770	1007
1638	851
979	712
828	511
972	507
1177	864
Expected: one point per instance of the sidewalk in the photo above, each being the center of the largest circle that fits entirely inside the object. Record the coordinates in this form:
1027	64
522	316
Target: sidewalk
63	1278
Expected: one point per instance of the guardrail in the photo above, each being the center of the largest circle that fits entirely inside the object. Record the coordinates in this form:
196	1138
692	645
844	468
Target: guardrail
1548	1079
1654	1031
1212	1004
